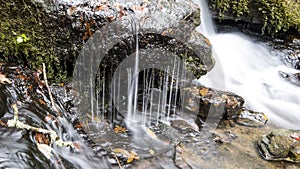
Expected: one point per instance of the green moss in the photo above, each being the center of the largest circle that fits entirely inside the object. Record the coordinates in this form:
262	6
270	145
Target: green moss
23	38
276	15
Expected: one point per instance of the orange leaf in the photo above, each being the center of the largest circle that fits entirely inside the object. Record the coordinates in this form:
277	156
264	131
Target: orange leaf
132	156
119	129
42	102
203	91
79	125
207	42
2	123
101	7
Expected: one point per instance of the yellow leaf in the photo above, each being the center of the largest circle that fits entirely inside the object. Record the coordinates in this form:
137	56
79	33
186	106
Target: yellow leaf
203	91
132	156
151	134
119	129
121	151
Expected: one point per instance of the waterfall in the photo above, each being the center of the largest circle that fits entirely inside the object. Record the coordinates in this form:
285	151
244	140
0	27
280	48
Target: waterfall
250	70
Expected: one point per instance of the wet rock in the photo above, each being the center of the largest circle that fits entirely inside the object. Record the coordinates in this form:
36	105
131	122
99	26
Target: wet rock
164	35
59	28
292	58
251	118
291	77
208	102
280	145
205	101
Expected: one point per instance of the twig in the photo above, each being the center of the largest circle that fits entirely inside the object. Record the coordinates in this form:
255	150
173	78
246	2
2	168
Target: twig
53	135
48	88
118	162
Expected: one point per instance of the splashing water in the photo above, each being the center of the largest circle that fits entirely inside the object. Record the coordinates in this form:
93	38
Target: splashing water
251	71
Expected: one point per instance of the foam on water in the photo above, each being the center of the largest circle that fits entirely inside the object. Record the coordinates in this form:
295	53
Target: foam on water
250	70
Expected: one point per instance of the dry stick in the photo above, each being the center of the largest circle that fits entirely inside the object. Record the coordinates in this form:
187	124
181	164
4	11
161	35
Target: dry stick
118	162
48	88
53	135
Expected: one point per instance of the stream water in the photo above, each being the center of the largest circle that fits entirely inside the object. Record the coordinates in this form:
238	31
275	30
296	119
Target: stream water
243	65
250	68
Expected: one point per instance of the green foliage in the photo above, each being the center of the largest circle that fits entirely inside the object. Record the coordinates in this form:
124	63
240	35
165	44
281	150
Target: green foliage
276	15
23	38
279	15
237	7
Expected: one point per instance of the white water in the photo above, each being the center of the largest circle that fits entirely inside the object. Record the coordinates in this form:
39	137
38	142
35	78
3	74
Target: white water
249	69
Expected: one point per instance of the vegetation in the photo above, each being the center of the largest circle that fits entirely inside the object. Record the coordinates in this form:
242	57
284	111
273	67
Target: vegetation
276	15
25	37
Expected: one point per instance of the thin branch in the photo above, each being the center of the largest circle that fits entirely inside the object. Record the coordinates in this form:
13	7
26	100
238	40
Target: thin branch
48	88
53	135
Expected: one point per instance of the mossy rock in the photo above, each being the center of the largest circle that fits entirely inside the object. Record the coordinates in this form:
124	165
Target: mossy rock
29	36
273	16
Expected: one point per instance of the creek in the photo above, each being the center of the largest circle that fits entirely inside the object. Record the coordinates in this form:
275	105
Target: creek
244	65
250	67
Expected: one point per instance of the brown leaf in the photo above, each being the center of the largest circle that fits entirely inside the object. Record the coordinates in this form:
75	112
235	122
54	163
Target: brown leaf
79	125
23	77
2	123
41	138
42	102
101	7
207	42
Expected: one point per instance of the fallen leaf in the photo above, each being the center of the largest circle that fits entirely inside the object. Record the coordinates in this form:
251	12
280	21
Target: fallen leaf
203	91
152	152
42	102
151	134
101	7
79	125
23	77
2	123
42	138
121	151
207	42
132	156
119	129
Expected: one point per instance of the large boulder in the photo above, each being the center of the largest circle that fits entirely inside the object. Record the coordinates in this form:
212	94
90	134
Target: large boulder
54	31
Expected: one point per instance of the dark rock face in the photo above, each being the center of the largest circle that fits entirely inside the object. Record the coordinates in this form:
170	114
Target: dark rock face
157	24
170	28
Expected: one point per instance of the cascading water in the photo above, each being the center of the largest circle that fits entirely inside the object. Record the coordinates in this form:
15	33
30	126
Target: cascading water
251	70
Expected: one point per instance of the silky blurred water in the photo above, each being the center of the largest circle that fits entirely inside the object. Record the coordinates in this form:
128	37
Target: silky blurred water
250	69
